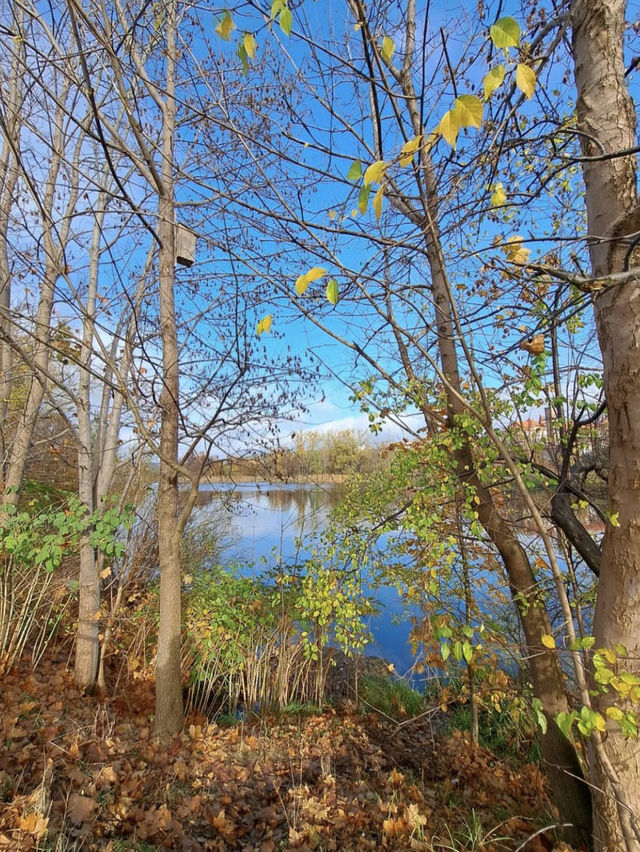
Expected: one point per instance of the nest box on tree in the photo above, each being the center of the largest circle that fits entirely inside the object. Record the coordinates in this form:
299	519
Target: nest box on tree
185	246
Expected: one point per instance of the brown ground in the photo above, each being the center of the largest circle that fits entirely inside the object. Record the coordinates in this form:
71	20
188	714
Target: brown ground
80	773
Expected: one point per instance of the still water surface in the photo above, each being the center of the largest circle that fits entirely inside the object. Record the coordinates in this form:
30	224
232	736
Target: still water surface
261	523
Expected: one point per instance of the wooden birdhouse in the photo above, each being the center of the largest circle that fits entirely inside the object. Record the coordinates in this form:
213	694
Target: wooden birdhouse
185	246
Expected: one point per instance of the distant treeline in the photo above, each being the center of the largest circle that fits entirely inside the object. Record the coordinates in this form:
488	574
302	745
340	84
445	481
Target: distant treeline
314	455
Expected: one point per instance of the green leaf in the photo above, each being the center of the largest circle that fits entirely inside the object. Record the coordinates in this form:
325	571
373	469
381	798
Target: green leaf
467	651
250	45
470	110
303	281
603	676
226	26
493	80
505	33
332	291
445	650
388	46
565	720
355	171
526	80
363	199
243	57
276	7
286	20
377	202
375	172
264	324
409	149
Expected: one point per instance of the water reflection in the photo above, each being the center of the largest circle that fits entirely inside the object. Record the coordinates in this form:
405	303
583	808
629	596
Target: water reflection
258	524
264	518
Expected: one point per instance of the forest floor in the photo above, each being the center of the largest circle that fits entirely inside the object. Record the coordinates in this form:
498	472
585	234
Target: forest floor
78	773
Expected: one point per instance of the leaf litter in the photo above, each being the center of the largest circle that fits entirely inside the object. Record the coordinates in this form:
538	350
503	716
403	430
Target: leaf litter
90	771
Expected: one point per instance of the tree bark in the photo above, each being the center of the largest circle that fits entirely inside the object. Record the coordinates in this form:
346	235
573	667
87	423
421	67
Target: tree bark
606	118
169	707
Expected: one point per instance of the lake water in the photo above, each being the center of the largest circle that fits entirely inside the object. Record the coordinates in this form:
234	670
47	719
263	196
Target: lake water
262	523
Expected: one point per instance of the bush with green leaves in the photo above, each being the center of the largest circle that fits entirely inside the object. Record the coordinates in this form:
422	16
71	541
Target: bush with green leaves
34	543
258	644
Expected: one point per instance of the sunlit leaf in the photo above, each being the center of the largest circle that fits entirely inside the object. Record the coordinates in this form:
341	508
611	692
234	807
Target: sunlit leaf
470	110
250	45
493	80
264	324
445	650
332	215
377	202
276	7
515	250
358	26
375	172
548	641
388	46
614	518
409	149
286	20
498	196
355	171
449	127
526	80
363	199
303	281
226	26
505	33
615	713
332	291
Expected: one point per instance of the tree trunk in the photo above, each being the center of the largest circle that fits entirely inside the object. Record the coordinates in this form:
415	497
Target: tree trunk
169	708
606	119
570	793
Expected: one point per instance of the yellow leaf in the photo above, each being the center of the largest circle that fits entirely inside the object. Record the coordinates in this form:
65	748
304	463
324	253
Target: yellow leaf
599	723
470	110
375	172
249	45
409	149
226	26
499	196
548	641
493	80
332	215
303	281
388	46
358	26
377	202
515	251
264	324
106	572
526	80
614	519
449	127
